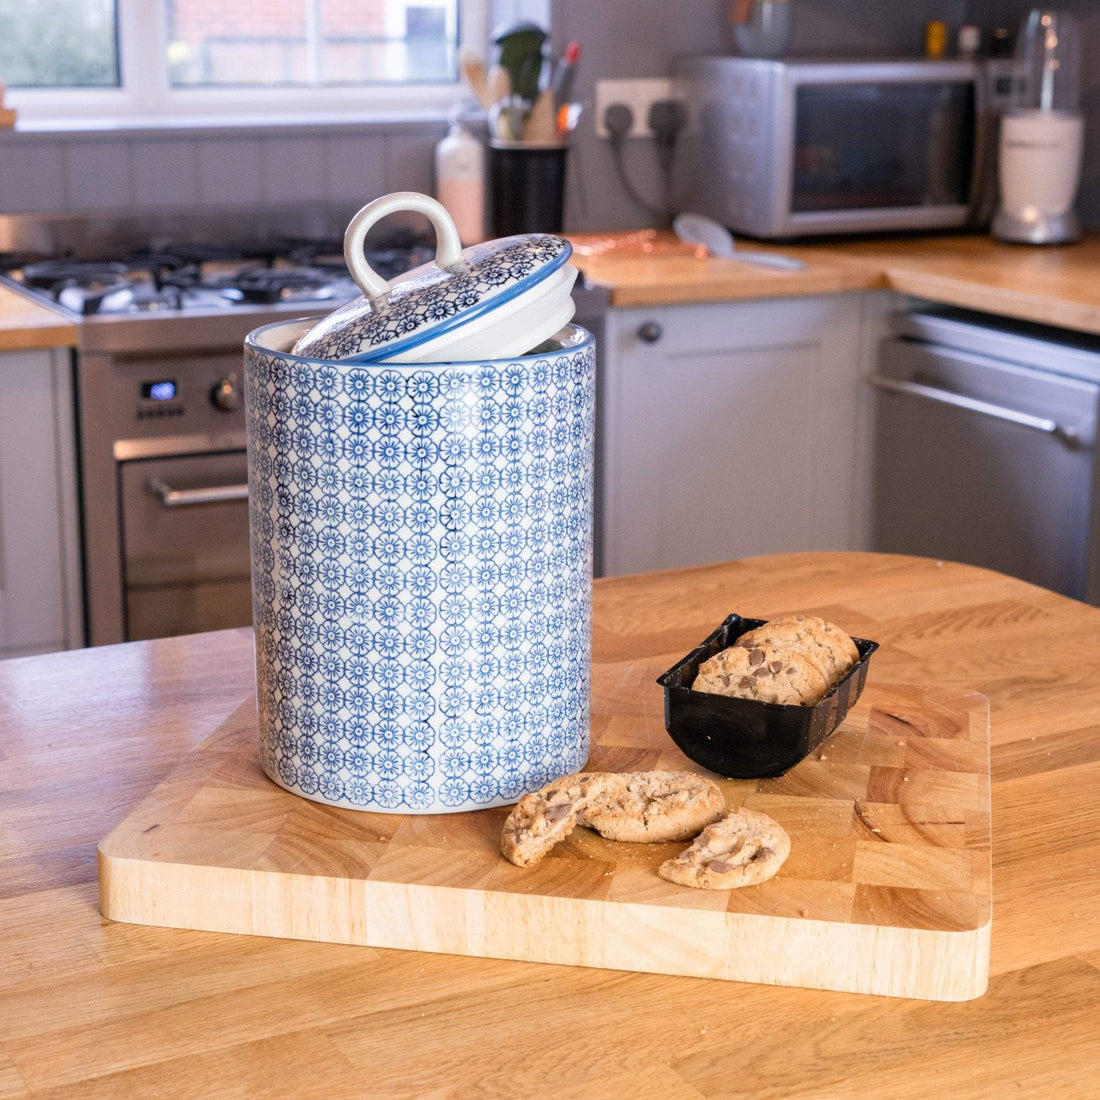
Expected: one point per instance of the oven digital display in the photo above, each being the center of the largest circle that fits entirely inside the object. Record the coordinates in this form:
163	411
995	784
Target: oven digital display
159	391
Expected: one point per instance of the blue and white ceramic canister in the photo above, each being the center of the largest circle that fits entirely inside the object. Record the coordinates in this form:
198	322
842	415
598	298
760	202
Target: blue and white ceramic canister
421	572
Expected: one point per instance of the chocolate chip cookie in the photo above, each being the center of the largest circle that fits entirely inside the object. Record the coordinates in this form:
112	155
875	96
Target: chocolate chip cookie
763	672
645	807
823	642
743	849
540	820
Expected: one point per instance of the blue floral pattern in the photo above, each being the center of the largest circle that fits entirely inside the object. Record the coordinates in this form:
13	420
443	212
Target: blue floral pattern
421	566
425	303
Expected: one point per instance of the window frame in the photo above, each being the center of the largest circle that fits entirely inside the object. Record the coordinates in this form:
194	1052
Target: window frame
146	96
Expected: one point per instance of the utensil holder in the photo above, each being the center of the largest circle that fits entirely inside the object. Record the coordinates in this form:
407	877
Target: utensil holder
421	572
526	188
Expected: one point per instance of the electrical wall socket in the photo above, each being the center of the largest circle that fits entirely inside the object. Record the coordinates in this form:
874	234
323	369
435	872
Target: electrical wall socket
638	95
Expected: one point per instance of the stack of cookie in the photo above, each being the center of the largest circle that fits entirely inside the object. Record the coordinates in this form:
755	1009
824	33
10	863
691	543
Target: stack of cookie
792	660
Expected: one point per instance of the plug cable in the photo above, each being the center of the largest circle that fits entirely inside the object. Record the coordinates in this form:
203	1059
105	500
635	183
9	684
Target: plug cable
618	118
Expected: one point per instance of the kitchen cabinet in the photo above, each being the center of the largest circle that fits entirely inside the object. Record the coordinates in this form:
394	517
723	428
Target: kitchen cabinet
40	592
729	429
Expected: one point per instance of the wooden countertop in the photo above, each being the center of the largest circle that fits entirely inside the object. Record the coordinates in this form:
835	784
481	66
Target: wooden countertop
93	1008
25	323
1055	286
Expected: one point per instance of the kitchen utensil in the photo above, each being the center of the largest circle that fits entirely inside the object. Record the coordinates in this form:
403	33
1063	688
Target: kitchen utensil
1042	137
474	73
886	889
569	114
541	128
491	300
500	123
744	738
562	83
717	239
517	115
519	47
499	85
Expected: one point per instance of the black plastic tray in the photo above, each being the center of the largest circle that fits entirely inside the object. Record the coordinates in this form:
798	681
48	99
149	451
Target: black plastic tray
744	738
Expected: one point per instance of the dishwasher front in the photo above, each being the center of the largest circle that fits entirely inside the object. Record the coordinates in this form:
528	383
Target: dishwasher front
985	448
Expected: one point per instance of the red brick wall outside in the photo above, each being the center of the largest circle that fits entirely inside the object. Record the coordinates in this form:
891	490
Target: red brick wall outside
193	20
242	41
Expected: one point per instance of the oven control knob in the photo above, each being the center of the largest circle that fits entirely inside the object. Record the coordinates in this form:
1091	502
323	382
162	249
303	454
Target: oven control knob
226	396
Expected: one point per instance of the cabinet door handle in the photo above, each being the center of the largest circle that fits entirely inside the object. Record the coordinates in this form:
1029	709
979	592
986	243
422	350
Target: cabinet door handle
1067	433
649	332
210	494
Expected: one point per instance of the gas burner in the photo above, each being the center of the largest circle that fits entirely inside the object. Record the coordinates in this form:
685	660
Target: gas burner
190	252
275	285
152	262
324	252
13	261
56	273
85	287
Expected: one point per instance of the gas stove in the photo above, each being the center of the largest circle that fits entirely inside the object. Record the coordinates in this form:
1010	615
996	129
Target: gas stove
140	284
161	324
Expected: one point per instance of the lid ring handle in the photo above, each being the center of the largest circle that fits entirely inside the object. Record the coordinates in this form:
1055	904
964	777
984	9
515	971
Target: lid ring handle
448	247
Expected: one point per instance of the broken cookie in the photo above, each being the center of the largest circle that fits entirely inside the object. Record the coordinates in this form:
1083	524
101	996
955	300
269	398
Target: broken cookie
631	806
743	849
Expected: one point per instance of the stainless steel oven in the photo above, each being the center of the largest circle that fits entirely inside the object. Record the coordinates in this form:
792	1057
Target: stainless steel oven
164	486
185	565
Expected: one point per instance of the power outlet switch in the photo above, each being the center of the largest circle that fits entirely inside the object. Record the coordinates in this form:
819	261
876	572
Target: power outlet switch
638	95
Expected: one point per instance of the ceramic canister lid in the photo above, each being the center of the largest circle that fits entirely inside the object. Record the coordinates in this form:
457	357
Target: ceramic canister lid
494	300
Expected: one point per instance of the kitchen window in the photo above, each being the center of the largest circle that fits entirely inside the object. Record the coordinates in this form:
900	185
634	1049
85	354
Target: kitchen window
150	60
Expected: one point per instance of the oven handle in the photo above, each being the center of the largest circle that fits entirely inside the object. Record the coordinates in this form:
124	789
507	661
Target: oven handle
183	498
1067	433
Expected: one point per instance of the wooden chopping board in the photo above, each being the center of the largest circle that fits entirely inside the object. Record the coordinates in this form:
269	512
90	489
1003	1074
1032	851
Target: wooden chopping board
887	888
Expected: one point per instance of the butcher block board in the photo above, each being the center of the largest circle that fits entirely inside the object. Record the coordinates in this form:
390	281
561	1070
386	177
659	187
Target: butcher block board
886	889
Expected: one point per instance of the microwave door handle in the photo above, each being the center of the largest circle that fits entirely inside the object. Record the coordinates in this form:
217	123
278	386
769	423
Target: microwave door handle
1067	433
184	498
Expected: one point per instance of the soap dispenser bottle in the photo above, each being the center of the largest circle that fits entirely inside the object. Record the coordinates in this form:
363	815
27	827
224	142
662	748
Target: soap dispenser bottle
460	180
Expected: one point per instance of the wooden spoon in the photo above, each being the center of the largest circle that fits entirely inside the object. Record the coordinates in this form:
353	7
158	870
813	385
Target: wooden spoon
473	72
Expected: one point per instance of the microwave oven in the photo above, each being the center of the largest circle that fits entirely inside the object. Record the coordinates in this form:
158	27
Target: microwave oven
779	149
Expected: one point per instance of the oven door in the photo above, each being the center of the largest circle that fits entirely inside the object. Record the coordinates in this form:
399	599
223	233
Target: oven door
185	544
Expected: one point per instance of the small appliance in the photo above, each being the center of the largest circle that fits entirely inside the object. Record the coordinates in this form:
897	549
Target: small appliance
1040	145
779	149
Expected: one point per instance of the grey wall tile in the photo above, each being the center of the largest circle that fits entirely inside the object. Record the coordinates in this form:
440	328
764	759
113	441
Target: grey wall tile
355	167
409	161
31	177
293	169
165	173
231	170
98	175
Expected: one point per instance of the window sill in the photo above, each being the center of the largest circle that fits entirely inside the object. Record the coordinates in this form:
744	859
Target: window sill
237	125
